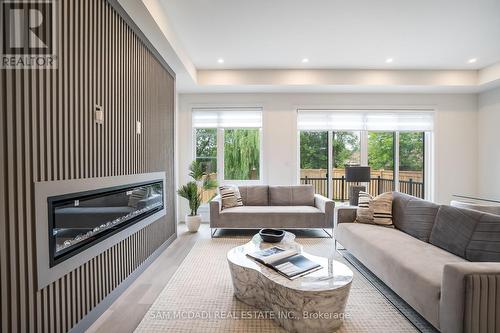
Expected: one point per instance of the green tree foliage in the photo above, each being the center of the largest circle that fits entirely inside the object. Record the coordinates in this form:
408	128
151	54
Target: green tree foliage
241	154
411	151
381	150
313	150
206	148
206	142
346	149
242	151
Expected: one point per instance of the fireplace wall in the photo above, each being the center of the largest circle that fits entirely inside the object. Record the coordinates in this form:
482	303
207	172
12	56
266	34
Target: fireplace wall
48	133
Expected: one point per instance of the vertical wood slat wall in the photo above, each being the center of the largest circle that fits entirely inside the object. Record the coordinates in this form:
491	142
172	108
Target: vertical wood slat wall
48	133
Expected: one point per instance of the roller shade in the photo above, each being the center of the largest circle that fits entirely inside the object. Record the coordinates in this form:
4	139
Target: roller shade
227	117
392	120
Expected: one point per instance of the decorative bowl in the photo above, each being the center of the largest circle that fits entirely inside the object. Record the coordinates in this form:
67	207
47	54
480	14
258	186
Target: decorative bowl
271	235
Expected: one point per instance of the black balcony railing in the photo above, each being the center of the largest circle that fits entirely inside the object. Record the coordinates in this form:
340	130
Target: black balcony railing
377	186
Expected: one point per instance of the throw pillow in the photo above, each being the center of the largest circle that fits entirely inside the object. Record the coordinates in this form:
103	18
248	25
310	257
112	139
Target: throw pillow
230	197
376	210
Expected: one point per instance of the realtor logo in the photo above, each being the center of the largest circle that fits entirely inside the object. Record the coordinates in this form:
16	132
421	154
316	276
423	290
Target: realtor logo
29	34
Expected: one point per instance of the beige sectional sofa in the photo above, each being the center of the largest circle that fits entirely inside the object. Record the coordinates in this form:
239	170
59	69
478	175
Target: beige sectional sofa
442	260
284	207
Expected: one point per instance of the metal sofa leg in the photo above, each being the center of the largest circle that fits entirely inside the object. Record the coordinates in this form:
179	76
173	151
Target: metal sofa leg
326	232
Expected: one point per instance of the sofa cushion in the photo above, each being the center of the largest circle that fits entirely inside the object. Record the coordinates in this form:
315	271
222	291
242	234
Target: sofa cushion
453	229
271	210
484	244
272	217
413	216
412	268
256	195
376	210
295	195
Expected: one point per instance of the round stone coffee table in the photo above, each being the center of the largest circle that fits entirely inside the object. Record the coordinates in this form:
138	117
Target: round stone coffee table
312	303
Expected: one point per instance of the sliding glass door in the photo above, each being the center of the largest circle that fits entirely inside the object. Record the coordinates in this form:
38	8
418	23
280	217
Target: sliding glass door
396	160
394	143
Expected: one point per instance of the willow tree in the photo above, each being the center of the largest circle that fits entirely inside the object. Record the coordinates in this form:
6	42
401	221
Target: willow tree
241	154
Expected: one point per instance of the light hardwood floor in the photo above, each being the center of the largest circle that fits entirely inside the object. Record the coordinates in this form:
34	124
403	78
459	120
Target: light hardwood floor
128	310
125	314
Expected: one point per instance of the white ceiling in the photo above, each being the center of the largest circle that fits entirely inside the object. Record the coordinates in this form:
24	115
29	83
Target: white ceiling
418	34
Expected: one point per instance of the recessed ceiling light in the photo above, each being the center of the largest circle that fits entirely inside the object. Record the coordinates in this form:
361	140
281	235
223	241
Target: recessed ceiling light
220	61
389	60
305	60
473	60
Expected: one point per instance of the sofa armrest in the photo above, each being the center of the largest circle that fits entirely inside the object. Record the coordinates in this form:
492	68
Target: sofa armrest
345	214
215	209
327	206
469	292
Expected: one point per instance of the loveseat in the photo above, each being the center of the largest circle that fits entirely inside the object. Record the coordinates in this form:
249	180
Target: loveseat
284	207
443	261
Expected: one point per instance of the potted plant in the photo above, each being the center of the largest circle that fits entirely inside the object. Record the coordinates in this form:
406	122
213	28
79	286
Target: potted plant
193	192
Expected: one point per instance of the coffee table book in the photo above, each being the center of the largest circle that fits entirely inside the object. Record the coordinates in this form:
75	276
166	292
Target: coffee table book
289	263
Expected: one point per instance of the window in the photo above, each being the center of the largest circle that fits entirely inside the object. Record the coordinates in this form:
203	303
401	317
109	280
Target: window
314	160
228	142
392	143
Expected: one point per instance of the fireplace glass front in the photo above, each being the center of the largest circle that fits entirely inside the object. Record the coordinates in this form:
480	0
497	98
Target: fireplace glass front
80	220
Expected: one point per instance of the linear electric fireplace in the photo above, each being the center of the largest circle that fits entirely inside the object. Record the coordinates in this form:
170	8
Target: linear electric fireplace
78	221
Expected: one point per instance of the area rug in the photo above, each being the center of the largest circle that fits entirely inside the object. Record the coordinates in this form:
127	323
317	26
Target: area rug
199	297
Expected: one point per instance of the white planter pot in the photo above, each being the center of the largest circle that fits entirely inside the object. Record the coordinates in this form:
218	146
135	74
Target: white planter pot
193	222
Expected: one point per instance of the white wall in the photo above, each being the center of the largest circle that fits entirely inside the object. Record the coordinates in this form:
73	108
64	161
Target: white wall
455	137
488	144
